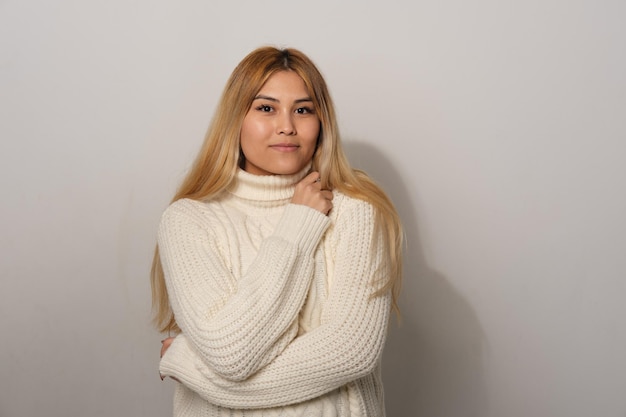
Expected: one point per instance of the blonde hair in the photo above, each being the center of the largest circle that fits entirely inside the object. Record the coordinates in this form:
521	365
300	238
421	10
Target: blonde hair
216	164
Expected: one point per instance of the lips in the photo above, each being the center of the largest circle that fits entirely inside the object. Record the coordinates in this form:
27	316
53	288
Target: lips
285	147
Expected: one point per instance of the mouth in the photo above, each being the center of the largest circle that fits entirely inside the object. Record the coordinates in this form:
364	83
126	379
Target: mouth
285	147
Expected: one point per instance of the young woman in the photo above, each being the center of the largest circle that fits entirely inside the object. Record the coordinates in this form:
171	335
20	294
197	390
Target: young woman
277	264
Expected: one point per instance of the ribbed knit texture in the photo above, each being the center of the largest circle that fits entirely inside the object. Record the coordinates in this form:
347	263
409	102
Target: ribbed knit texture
274	303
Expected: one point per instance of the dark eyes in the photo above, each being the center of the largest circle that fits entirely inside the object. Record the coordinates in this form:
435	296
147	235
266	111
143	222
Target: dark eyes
264	108
304	110
300	110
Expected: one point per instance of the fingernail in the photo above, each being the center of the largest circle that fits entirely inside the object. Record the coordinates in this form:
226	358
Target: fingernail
161	376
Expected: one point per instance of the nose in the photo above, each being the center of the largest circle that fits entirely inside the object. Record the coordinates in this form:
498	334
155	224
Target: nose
285	125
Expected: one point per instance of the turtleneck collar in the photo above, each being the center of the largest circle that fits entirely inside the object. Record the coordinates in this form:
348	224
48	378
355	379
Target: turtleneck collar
266	188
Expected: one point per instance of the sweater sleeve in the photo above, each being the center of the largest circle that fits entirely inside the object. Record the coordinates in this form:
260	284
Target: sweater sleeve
237	326
345	347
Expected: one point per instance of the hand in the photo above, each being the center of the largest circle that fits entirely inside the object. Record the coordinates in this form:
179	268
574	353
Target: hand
309	193
165	344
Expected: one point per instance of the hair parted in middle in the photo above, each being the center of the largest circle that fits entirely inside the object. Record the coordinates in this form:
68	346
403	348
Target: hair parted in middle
220	156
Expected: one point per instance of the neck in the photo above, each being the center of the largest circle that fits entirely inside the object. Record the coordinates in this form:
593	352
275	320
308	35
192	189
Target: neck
274	188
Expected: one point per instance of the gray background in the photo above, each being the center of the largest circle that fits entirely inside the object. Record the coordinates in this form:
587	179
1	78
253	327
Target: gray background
497	127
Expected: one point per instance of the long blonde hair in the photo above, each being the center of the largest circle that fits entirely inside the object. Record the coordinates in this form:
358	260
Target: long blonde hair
216	164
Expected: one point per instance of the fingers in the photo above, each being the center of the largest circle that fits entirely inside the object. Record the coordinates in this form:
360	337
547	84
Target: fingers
328	195
312	178
165	344
309	192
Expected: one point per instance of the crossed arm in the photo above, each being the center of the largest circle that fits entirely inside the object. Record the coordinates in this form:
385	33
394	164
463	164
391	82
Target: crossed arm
271	367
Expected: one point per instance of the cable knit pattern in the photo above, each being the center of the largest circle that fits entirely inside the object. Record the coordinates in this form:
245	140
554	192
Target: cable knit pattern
274	303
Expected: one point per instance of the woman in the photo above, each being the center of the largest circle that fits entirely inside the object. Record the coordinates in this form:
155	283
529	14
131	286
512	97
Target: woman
277	264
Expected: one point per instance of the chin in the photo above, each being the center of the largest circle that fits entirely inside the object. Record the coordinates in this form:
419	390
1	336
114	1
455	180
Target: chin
284	168
291	171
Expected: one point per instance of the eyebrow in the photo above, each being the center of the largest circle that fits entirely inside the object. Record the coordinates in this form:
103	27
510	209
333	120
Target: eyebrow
300	100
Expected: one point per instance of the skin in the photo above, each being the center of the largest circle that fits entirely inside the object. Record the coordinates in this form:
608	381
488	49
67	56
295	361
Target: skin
279	137
279	133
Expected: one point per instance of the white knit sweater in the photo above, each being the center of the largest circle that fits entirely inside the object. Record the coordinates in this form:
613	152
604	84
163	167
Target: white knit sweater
274	303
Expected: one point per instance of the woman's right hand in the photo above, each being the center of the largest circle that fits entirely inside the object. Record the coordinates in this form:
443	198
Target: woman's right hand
165	345
309	193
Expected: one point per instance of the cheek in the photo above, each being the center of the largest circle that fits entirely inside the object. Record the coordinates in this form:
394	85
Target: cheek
247	130
251	133
312	133
258	126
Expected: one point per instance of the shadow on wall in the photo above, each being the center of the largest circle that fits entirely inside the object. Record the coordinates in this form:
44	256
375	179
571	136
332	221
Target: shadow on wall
432	365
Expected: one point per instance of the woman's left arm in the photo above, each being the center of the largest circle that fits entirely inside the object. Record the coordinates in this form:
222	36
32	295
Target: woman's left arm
345	347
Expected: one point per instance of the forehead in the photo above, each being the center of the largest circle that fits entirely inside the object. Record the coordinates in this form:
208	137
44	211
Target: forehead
285	82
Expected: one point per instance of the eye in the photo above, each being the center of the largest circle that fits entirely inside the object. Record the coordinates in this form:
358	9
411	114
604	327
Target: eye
264	108
304	110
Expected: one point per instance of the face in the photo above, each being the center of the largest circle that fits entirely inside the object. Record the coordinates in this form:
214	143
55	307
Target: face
279	132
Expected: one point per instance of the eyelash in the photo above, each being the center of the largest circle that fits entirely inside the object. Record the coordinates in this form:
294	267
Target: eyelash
300	110
264	108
